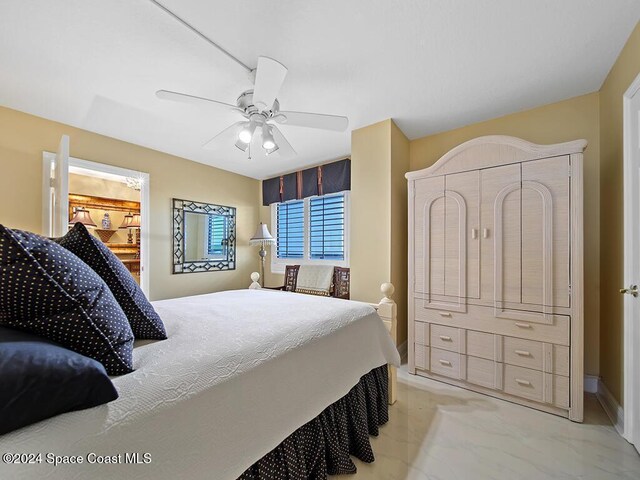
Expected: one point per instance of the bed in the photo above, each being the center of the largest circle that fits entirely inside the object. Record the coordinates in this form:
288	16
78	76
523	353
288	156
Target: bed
240	372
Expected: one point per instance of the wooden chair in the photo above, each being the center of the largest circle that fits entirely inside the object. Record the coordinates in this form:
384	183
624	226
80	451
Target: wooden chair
339	285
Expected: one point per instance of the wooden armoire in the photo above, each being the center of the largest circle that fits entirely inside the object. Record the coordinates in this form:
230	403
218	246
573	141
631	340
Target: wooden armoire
496	271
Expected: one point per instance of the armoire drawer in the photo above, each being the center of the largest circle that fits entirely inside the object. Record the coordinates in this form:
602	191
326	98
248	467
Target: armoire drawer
545	357
536	385
446	363
483	319
445	338
523	353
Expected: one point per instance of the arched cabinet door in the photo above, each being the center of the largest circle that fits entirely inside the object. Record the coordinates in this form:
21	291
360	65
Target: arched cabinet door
526	256
447	248
545	234
500	237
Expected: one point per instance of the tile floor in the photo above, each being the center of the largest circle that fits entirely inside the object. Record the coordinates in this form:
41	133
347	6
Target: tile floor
439	432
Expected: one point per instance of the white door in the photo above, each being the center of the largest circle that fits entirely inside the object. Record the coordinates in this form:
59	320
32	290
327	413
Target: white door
55	218
632	264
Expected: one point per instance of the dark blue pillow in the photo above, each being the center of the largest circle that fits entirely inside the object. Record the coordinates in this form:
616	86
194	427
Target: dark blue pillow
47	290
144	320
41	379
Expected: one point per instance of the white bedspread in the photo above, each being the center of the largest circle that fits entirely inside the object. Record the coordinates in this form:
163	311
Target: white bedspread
240	371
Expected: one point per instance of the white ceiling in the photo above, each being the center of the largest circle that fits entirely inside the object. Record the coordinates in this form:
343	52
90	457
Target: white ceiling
431	65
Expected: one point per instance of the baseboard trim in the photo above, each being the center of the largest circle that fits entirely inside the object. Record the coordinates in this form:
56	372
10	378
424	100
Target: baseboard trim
591	383
611	407
402	350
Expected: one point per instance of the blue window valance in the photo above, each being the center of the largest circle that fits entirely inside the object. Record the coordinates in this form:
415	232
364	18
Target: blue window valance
321	180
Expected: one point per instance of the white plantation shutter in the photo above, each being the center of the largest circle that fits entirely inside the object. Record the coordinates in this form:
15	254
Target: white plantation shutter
326	227
290	229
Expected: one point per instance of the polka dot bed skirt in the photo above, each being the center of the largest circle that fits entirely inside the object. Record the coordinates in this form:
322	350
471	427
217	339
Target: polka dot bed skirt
323	446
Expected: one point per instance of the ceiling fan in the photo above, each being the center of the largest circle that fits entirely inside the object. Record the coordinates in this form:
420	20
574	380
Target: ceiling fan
261	110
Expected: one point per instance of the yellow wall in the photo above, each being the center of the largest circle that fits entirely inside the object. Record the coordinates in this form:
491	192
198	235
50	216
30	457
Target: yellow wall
559	122
370	243
620	77
399	235
23	137
379	160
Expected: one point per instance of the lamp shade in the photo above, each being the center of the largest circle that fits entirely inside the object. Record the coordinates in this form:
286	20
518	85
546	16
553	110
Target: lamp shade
131	221
126	221
135	221
82	216
262	236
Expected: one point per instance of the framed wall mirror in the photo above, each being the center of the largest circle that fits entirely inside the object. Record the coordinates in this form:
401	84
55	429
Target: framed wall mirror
204	237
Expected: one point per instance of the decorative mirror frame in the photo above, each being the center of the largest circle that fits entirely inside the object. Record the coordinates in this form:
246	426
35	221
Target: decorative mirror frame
180	207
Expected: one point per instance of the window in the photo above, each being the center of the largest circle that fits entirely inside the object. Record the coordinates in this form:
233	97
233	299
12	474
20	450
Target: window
311	231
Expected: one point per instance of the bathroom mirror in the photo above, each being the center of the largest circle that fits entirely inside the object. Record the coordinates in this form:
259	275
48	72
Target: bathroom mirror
204	237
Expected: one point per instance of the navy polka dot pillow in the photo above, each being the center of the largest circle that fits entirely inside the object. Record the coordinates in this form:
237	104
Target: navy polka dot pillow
47	290
144	320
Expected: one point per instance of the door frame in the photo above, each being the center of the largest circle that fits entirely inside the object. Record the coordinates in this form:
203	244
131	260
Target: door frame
48	157
631	335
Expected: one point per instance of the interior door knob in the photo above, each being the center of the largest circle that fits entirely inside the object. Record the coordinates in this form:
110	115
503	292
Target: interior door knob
632	290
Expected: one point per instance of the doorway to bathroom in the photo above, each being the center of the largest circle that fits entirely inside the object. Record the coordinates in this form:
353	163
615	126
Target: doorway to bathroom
112	202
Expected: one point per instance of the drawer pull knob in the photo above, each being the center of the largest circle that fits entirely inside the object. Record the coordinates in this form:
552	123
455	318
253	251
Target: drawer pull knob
474	233
523	353
445	338
526	383
523	325
485	233
445	362
445	314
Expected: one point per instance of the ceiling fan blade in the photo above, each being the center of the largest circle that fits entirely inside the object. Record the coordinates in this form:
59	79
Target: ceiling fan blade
269	78
313	120
192	99
285	149
226	137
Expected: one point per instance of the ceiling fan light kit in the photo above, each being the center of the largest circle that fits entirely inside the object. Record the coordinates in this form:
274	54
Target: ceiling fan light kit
246	134
268	143
240	145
